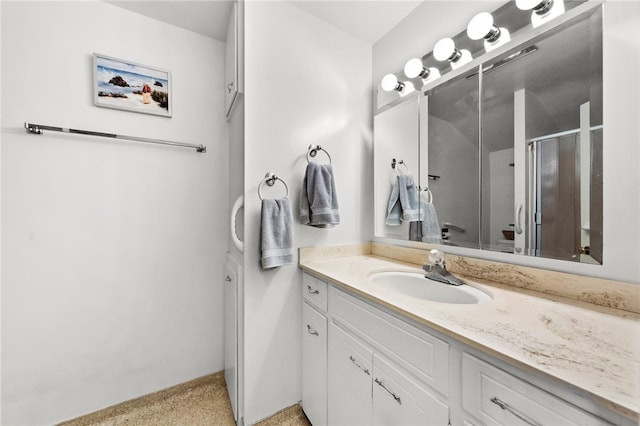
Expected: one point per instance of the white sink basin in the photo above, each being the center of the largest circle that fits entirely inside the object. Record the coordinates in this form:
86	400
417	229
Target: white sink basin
416	285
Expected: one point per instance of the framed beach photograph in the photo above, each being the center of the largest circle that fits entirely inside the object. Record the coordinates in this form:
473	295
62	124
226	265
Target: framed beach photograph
129	86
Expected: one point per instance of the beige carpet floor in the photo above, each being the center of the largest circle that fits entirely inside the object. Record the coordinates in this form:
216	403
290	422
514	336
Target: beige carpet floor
201	402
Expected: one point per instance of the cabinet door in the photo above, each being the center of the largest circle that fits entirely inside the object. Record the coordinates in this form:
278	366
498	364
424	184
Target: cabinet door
231	61
349	380
314	365
420	353
399	399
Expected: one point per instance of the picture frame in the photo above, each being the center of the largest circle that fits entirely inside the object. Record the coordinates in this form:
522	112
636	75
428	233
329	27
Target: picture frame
129	86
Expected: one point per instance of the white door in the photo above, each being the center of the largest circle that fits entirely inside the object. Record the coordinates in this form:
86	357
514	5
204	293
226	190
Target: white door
231	335
349	377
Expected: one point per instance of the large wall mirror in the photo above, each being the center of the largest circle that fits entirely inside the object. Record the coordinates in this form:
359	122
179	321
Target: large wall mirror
507	155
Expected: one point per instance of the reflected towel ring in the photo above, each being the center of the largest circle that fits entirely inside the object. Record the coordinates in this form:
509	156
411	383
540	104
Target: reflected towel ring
270	179
396	165
429	194
313	151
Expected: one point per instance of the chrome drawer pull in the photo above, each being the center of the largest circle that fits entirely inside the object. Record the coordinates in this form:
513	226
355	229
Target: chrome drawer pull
353	360
311	330
513	411
312	291
396	397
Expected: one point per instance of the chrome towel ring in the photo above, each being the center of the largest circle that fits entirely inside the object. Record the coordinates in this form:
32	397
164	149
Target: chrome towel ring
428	194
270	179
396	165
313	151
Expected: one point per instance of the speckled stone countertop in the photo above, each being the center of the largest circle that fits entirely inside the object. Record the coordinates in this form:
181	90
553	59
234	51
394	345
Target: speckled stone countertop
593	348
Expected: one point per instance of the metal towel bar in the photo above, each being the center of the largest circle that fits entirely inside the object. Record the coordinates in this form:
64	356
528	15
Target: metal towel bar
38	130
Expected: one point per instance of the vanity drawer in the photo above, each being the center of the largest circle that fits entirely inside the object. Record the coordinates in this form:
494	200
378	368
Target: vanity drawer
315	291
420	353
495	397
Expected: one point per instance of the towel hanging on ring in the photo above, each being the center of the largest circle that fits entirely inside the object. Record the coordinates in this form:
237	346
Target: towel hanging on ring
318	197
404	205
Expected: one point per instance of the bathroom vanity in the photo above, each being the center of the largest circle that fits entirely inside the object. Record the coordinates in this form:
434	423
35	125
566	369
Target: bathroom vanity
375	355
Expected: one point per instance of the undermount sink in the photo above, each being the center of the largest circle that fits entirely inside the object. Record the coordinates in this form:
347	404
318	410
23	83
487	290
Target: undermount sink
416	285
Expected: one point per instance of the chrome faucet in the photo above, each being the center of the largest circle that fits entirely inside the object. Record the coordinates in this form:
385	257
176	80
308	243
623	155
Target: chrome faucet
437	270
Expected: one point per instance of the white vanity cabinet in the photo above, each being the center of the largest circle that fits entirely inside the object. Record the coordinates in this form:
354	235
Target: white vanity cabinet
314	350
368	365
367	389
404	366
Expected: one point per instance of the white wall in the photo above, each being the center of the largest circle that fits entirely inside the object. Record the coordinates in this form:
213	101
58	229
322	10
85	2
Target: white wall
111	251
306	83
418	33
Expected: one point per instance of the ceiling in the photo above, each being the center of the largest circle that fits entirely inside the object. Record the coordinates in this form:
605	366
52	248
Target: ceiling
367	20
206	17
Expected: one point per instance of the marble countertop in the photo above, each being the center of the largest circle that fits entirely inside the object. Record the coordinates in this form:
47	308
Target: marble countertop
595	349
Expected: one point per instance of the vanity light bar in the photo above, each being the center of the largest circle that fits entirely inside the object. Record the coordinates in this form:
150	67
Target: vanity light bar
481	27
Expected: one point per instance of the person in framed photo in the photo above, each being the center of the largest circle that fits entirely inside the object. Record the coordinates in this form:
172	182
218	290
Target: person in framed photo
146	94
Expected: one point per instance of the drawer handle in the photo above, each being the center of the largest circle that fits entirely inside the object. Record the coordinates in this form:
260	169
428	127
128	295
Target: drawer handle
396	397
312	291
513	411
353	360
312	331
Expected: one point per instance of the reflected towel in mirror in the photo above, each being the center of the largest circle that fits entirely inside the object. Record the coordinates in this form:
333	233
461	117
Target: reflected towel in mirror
428	229
403	201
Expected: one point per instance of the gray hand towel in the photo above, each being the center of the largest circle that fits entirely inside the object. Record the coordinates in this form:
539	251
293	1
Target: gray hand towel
428	229
431	231
277	233
403	201
318	197
415	231
394	210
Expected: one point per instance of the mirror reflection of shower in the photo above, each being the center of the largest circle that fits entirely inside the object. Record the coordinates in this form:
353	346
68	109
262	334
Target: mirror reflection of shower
565	220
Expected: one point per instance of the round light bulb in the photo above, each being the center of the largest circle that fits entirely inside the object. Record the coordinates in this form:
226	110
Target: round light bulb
480	25
527	4
389	82
444	49
413	68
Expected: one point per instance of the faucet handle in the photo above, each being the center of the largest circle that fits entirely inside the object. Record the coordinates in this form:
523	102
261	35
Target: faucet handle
437	257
